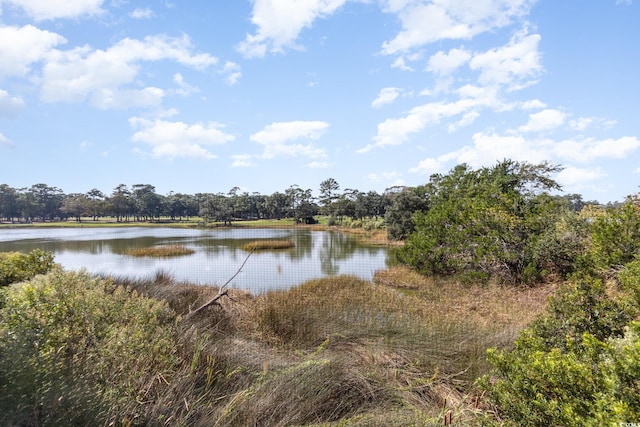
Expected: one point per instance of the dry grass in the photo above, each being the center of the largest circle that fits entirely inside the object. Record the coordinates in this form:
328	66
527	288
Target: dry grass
340	351
161	251
259	245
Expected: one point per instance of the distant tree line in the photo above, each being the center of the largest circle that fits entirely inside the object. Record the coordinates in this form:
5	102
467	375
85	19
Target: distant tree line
141	202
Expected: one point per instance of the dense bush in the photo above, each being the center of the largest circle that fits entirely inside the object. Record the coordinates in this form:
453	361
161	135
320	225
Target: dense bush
615	237
576	366
77	350
16	266
496	222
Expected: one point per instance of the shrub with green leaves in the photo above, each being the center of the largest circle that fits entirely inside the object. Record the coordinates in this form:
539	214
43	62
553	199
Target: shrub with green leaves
16	266
78	350
579	365
615	237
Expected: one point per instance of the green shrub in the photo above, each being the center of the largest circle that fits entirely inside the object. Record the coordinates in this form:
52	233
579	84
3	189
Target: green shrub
615	237
17	267
78	350
577	366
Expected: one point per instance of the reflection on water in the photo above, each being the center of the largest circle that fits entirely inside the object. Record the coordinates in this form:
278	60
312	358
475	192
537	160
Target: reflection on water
218	254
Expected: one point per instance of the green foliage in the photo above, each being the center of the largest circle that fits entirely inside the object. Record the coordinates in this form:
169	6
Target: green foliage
577	366
75	350
399	216
615	237
493	222
17	267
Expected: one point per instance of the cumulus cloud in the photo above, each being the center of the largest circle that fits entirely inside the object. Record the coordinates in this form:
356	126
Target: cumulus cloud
242	161
396	131
490	147
386	96
142	13
231	71
445	63
280	22
579	177
9	105
590	149
22	46
104	76
514	65
506	68
278	139
41	10
425	22
544	120
5	142
185	88
178	139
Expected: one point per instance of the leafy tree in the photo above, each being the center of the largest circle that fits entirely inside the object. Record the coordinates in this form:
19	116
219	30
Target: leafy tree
276	205
484	223
302	206
97	203
217	207
121	203
76	205
328	195
403	203
8	203
48	200
147	202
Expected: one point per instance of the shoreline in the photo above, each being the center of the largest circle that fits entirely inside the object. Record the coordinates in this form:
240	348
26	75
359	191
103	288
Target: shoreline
375	237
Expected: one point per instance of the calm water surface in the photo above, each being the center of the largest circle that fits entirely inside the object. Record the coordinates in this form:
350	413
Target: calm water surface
218	254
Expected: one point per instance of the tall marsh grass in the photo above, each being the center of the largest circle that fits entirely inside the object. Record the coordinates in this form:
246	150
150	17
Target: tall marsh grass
403	350
161	251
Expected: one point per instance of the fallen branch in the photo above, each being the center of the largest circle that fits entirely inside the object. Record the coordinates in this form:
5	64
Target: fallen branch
221	292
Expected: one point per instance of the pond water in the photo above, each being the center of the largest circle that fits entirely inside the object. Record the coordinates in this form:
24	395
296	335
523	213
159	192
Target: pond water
218	254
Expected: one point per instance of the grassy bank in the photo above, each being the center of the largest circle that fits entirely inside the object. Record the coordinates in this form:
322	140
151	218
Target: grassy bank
261	245
160	251
333	352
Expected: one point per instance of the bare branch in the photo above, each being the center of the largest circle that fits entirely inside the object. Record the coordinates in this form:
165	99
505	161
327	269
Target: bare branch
222	291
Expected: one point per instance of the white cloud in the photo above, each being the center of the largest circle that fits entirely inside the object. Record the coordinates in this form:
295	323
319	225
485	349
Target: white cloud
318	165
590	149
232	72
544	120
514	65
581	123
579	177
466	120
386	96
178	139
142	13
22	46
5	142
41	10
242	161
397	131
388	179
401	64
280	22
99	75
185	88
9	105
445	63
532	104
276	139
425	22
489	147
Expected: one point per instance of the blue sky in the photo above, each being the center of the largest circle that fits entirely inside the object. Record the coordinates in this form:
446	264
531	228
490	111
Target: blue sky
205	96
